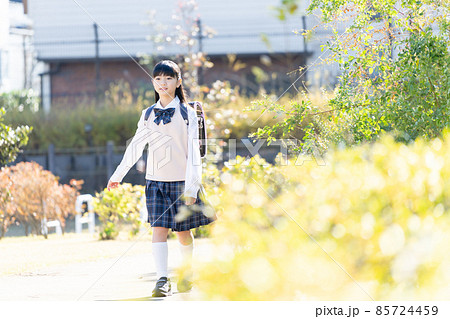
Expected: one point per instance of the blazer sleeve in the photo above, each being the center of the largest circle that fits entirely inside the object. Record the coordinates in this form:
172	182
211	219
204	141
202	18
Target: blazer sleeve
133	151
193	178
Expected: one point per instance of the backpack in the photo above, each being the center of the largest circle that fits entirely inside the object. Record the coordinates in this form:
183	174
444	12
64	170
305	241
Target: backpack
197	106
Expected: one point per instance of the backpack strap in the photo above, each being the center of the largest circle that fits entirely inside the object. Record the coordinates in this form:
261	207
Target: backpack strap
184	112
148	112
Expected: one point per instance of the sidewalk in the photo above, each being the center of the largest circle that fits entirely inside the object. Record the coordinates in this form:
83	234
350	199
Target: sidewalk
126	278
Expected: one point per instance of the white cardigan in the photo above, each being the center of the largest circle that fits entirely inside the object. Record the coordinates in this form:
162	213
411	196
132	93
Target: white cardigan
173	152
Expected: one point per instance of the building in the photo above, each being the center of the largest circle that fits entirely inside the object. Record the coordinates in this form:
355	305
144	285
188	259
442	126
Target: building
85	45
16	52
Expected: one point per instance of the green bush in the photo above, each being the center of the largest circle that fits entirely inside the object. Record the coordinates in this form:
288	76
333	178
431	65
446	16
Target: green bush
66	128
24	100
373	221
417	102
11	140
119	206
115	119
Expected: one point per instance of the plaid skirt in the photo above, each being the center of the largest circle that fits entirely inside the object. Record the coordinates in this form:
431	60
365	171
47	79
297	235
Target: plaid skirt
166	207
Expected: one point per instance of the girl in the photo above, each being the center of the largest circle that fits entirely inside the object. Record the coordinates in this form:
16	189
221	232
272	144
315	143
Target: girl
173	171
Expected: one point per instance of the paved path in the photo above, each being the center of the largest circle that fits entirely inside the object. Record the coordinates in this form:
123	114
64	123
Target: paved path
125	278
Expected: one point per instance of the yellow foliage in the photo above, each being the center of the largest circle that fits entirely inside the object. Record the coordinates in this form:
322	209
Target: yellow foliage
372	223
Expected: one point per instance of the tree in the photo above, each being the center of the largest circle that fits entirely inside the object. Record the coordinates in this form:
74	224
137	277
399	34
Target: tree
395	77
38	196
185	33
6	203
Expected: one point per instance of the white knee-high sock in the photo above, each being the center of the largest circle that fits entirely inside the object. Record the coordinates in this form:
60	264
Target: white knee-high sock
160	254
186	253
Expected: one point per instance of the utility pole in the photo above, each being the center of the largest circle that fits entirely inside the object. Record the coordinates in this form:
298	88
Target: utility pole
25	68
97	66
200	49
305	49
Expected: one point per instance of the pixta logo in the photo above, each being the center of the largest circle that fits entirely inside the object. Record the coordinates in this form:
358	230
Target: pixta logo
261	147
157	144
224	150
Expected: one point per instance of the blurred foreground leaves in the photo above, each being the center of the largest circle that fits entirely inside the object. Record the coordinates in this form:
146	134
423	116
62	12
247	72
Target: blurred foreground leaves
379	212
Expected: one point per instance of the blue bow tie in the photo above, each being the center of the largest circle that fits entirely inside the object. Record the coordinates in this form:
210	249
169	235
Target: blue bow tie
164	114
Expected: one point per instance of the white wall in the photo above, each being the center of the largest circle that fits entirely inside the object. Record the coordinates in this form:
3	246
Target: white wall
15	61
4	36
4	22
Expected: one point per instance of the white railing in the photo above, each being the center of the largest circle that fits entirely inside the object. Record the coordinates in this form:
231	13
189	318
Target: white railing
53	223
79	219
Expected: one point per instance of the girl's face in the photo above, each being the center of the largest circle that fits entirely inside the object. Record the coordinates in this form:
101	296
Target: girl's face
166	85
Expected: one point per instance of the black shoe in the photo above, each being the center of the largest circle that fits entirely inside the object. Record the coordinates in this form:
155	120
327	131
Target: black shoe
184	285
162	288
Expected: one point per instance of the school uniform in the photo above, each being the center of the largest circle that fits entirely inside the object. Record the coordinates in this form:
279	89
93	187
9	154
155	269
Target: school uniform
173	169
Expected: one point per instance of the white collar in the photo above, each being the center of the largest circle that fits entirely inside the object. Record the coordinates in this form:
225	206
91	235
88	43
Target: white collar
174	103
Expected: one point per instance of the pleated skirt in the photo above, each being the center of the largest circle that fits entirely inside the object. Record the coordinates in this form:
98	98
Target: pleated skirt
166	207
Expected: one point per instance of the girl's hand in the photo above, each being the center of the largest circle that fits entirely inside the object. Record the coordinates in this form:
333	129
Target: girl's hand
190	200
112	185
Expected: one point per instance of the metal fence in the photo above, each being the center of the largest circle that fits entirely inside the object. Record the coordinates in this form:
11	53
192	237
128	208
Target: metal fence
96	164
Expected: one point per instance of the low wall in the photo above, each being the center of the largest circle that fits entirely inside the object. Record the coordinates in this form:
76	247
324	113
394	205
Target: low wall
95	165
